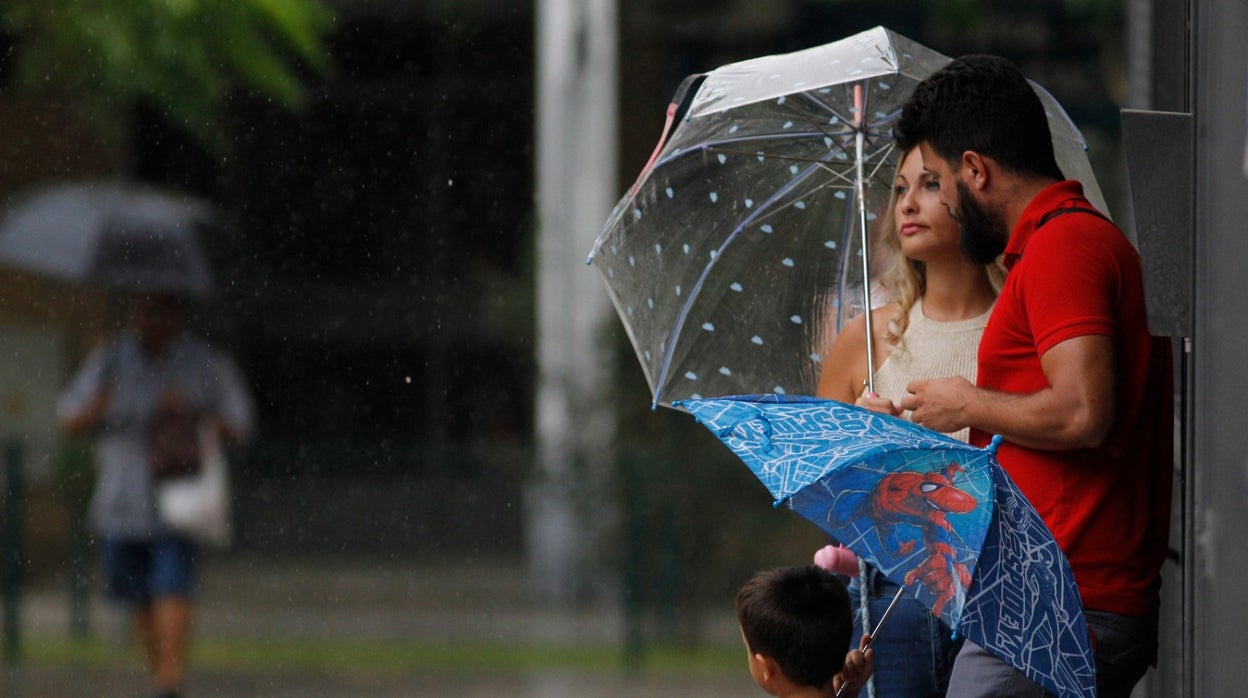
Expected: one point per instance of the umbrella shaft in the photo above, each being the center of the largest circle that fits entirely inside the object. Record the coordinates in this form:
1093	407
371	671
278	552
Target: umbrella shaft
887	612
860	191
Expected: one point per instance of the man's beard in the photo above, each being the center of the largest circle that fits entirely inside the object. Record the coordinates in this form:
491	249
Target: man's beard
983	233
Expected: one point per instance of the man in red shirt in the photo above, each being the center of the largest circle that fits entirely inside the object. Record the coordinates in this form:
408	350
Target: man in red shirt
1068	372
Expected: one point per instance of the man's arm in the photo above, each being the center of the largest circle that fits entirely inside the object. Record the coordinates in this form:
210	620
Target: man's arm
1075	411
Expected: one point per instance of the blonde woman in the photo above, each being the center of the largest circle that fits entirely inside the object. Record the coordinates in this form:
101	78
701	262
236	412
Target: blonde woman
930	328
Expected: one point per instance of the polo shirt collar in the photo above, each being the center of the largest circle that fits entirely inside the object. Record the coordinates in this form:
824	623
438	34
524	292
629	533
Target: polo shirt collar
1053	196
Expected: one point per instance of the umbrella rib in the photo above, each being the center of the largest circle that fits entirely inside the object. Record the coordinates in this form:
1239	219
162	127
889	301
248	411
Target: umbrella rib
718	145
679	325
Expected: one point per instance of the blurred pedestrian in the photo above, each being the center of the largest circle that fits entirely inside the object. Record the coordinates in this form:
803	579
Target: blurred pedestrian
796	622
1068	372
147	381
930	329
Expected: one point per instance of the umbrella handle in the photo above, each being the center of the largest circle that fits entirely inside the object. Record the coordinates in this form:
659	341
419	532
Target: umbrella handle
887	612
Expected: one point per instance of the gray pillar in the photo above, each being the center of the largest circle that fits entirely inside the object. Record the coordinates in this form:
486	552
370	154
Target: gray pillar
1220	380
566	501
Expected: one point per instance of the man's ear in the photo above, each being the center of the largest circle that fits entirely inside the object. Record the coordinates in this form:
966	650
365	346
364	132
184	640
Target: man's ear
975	170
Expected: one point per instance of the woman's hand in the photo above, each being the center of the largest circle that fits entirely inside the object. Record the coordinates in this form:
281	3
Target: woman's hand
872	401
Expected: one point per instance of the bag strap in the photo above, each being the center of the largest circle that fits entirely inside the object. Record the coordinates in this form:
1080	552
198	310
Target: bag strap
1071	209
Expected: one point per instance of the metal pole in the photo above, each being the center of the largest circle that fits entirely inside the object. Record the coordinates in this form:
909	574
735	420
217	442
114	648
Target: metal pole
576	187
11	549
860	192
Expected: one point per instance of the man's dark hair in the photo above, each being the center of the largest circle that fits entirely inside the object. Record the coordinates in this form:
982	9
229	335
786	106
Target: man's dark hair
981	103
800	617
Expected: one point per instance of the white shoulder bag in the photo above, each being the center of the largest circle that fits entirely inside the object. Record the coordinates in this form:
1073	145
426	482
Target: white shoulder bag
198	506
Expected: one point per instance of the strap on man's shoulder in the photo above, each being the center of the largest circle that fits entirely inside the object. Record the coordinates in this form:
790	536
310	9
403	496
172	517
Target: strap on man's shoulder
1071	209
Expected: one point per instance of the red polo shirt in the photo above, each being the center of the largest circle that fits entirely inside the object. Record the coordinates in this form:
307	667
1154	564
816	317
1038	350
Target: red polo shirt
1108	507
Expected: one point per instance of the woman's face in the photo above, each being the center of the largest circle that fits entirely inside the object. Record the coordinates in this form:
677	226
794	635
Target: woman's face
924	226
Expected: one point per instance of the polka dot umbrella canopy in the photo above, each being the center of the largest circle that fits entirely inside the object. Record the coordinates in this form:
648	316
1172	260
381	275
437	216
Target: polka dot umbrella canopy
738	253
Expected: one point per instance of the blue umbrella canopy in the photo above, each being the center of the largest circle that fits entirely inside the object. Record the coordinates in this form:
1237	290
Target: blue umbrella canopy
933	514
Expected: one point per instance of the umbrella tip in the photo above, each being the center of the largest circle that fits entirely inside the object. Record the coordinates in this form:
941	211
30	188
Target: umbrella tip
995	443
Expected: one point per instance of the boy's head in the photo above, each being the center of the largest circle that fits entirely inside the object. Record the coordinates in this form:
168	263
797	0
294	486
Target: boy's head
797	618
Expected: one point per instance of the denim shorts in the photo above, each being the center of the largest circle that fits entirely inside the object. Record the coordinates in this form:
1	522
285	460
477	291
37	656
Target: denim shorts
137	571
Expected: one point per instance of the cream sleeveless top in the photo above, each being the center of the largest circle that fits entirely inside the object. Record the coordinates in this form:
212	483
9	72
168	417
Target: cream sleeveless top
931	349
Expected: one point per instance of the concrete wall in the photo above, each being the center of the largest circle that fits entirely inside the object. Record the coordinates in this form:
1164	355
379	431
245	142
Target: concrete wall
1220	442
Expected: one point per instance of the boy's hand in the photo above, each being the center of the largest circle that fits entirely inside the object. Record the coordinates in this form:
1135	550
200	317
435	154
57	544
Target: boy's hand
857	669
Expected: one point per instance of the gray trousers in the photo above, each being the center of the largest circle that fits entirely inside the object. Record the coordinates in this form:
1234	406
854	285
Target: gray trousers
1125	647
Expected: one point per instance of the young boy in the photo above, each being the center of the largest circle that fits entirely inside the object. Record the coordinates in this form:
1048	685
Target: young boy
796	623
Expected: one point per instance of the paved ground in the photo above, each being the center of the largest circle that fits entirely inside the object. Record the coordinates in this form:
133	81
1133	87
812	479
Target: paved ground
326	629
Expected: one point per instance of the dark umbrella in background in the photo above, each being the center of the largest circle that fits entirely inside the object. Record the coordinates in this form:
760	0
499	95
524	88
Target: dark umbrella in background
111	233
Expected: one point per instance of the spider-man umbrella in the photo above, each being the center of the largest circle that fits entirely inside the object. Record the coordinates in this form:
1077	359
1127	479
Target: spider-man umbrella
932	513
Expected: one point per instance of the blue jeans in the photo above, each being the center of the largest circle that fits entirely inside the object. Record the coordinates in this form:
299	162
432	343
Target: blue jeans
914	652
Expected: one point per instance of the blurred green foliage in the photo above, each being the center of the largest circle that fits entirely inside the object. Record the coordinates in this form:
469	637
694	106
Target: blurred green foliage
182	58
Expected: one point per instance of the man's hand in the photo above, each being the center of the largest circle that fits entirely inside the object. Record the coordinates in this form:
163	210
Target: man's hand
939	403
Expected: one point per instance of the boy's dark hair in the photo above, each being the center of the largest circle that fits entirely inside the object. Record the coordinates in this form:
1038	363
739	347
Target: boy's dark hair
981	103
800	617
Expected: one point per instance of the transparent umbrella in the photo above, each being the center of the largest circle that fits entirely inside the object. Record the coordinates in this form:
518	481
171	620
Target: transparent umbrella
744	245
